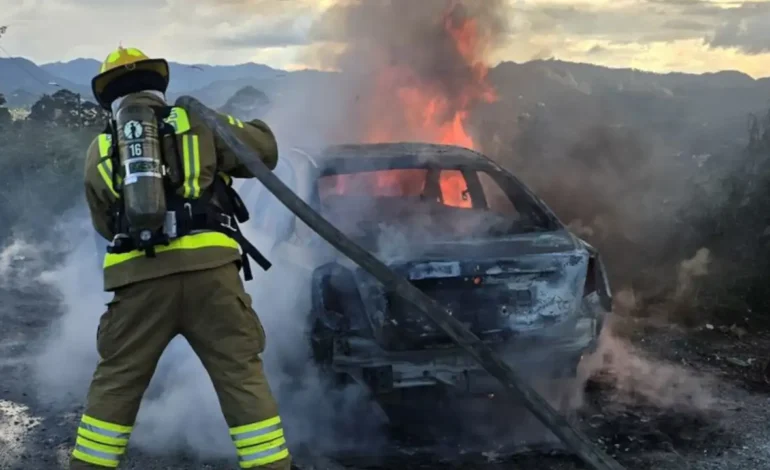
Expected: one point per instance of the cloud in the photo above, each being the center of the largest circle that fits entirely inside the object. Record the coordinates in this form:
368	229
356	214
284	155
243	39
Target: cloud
597	49
192	31
746	29
267	31
686	25
657	35
725	24
286	33
622	21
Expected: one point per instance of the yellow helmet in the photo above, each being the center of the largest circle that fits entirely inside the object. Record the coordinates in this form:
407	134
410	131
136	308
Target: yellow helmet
128	70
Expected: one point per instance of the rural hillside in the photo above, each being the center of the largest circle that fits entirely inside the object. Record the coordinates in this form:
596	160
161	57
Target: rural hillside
608	238
703	110
615	151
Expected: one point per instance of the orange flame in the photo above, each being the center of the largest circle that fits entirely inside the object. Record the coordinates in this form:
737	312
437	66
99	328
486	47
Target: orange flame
427	113
408	107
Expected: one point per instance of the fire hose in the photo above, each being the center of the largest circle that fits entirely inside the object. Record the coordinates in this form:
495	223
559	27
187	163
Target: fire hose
516	387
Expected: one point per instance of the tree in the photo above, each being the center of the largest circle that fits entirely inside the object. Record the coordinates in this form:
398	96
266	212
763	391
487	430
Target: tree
5	115
43	111
66	109
41	174
731	217
755	134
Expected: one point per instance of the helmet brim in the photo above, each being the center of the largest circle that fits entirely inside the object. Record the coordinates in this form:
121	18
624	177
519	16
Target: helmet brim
100	82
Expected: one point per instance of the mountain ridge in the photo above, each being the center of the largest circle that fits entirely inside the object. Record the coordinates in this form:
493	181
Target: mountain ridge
186	76
21	79
552	90
20	74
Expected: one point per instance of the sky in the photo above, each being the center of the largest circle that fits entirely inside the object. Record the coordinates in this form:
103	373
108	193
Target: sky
657	35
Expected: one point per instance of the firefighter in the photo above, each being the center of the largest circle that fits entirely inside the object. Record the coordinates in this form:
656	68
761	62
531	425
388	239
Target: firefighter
171	217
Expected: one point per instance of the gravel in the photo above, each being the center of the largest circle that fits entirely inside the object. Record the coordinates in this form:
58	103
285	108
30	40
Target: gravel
730	434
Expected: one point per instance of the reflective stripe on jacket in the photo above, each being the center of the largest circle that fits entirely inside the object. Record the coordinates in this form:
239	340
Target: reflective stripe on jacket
202	157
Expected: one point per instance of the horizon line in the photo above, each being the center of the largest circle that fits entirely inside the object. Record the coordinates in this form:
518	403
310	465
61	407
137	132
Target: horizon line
310	69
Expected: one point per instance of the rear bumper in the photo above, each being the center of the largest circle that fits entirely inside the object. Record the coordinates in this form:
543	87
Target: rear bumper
541	354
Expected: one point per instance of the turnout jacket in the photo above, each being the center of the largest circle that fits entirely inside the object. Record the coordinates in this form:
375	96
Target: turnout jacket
204	158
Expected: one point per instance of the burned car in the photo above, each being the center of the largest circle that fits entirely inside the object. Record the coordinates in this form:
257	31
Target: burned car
464	231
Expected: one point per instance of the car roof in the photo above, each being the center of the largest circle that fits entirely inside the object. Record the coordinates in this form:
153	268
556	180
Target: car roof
360	157
344	158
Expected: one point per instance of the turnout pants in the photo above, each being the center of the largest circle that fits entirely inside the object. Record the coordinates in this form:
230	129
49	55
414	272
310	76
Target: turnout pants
211	309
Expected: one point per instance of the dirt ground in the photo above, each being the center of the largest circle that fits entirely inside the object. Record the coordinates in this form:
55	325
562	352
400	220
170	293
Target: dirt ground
732	433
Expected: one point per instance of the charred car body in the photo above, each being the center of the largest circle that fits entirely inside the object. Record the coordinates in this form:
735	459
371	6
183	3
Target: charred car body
463	230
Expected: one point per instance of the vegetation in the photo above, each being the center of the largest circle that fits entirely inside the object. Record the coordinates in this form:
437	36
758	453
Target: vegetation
738	233
5	114
66	109
42	158
42	164
602	183
649	205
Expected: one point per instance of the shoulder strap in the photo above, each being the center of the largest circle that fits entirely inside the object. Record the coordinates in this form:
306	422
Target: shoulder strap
108	147
108	151
178	118
167	126
104	164
105	144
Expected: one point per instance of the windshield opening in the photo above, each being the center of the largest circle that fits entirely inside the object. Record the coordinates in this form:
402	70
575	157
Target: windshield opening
426	204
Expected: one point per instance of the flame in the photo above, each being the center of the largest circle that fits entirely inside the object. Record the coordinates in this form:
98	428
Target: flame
427	112
407	105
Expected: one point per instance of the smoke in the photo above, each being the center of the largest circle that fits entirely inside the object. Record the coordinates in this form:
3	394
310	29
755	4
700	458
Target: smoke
180	411
416	35
389	212
409	70
638	378
14	270
617	188
622	187
689	271
412	70
419	71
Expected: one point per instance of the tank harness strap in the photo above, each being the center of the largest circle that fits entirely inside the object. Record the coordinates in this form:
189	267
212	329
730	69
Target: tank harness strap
204	214
188	215
235	212
167	133
117	208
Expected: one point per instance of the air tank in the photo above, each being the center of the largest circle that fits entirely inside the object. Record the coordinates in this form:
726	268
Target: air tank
140	157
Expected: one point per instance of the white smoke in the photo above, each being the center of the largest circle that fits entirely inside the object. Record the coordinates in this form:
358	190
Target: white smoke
180	411
20	263
638	377
68	357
